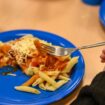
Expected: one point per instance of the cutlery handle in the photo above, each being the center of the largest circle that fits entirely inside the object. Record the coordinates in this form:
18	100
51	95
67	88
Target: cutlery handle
91	46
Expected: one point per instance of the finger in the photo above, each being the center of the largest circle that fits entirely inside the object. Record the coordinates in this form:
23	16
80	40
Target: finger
102	56
103	51
103	61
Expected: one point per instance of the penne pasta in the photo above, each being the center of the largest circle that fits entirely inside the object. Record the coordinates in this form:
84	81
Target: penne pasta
54	77
70	65
47	78
42	86
38	81
61	83
27	89
65	74
29	71
63	78
31	80
49	87
50	73
62	58
35	70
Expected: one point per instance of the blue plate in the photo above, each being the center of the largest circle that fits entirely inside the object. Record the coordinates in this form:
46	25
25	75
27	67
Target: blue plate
102	13
9	96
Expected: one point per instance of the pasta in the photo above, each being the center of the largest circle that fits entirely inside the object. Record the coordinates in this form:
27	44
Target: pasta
70	65
27	89
45	71
64	78
60	83
49	87
48	79
38	81
42	86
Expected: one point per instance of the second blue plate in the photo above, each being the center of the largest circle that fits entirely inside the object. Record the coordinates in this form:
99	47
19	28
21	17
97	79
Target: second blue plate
102	13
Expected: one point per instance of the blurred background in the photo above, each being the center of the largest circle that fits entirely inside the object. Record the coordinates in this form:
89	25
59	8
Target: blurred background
40	14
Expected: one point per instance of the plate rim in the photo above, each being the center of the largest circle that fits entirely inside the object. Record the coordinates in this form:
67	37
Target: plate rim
102	20
64	94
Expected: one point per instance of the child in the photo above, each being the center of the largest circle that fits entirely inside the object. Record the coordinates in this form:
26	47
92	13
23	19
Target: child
93	94
103	56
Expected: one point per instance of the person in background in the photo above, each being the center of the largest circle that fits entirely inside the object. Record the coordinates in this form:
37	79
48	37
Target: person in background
93	94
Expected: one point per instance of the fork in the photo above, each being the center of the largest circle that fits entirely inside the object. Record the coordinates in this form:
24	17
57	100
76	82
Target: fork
60	51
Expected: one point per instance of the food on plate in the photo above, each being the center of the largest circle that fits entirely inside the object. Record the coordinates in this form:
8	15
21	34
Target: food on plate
46	71
27	89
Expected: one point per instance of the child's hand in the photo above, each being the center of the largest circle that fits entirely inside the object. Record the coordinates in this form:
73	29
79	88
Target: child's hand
103	56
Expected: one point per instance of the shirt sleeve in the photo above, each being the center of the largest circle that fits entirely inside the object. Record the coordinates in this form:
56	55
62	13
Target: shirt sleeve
94	94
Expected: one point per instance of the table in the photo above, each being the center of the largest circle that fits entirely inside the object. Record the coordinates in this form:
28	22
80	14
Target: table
71	19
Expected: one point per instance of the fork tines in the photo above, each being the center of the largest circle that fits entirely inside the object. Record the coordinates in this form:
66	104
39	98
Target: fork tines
47	48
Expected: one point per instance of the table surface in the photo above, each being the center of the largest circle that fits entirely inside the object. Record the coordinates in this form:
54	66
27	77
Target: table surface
71	19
